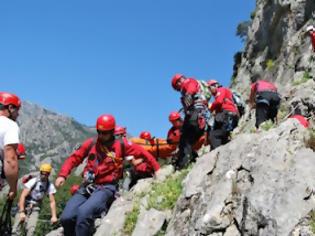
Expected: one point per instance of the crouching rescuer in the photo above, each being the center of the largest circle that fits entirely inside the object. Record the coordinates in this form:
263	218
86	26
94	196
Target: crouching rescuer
102	172
35	189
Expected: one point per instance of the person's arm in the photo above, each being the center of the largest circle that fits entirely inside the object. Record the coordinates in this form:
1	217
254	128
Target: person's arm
137	151
75	159
53	208
11	168
23	196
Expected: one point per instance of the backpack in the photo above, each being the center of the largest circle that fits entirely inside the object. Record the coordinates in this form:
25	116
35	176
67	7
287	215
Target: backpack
204	89
27	178
238	101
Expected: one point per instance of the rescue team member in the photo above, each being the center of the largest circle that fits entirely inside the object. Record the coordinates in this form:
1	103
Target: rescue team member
311	31
264	96
102	172
195	106
225	114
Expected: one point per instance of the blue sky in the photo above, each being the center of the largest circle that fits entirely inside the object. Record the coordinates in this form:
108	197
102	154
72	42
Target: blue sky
84	58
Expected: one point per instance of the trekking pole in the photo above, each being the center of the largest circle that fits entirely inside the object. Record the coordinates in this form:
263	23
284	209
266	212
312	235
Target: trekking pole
5	220
22	228
290	113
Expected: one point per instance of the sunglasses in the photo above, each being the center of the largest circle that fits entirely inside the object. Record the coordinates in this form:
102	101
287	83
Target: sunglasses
44	173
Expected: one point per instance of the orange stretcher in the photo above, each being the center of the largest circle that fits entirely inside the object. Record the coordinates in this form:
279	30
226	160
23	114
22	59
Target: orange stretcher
158	147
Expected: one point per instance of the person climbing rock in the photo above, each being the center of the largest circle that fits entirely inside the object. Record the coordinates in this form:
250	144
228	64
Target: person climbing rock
35	189
105	158
174	133
264	96
311	31
195	105
225	114
9	140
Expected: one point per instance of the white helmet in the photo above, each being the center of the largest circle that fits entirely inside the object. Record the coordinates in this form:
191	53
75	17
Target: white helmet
310	28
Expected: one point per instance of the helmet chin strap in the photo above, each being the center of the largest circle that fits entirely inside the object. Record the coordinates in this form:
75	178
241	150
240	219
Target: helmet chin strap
108	142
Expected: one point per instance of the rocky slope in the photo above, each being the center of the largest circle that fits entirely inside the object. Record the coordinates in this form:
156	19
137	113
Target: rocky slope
259	183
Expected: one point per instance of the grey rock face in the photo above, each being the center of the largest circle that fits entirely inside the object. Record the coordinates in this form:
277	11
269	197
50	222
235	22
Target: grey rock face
149	223
277	45
113	222
258	184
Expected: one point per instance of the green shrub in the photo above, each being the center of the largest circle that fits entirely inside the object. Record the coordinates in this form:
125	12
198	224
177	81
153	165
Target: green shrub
270	64
283	111
312	221
164	195
267	125
305	78
132	218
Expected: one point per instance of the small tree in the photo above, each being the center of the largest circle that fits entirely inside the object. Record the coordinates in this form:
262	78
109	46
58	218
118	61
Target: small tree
242	29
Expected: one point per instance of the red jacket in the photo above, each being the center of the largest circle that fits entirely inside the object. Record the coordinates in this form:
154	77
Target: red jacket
261	86
303	121
223	101
106	163
190	86
312	34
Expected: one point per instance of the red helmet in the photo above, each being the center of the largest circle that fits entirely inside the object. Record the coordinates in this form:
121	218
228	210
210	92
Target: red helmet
145	135
119	130
212	82
175	79
21	151
74	188
9	99
174	116
105	123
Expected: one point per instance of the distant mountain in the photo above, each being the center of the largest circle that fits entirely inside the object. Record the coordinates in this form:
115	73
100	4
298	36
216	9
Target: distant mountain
48	136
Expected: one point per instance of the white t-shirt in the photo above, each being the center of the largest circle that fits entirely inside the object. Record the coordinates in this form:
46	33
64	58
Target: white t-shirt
38	192
9	133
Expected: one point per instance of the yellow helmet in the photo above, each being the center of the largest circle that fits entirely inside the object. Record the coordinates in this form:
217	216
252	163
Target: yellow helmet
45	167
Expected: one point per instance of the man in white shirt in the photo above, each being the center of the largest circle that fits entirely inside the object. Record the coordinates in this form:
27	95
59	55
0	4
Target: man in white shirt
9	140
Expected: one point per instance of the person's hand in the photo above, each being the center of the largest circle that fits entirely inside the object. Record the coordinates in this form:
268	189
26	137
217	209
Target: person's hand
136	162
11	194
60	181
53	219
22	216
